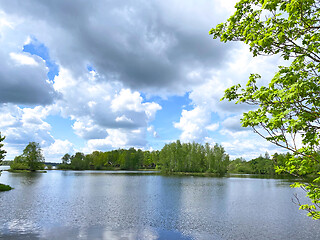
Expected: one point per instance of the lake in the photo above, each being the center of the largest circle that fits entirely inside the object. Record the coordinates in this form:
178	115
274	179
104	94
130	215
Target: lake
118	205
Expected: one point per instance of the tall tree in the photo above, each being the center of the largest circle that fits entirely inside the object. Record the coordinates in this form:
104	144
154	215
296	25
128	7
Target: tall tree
2	151
66	158
32	155
289	107
77	161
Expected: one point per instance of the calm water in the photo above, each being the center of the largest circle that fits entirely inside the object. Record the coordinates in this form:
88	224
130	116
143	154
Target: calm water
100	205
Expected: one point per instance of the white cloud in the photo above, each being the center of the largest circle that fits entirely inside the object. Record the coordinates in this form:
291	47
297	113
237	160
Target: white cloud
233	123
23	59
23	76
126	100
59	147
213	127
196	124
5	22
86	129
151	109
123	118
24	125
193	124
150	46
152	131
118	138
105	114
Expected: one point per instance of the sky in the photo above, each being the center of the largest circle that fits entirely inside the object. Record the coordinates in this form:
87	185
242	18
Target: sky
82	76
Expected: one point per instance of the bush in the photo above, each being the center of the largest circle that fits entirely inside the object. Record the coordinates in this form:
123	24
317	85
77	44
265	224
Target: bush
4	187
64	166
19	166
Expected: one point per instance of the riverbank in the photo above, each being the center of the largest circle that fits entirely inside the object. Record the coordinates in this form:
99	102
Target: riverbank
25	171
155	171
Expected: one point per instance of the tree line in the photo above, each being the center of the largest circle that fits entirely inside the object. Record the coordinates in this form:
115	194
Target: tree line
260	165
175	157
130	159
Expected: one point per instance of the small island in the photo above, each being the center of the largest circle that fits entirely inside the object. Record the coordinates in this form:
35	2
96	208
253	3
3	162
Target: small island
4	187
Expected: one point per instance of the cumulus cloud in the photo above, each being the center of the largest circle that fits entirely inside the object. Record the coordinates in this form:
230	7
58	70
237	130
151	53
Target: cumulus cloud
105	114
23	59
233	123
213	127
193	124
196	124
24	125
146	45
23	77
118	138
57	149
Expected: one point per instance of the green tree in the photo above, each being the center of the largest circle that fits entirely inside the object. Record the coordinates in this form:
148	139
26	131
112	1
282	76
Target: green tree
66	158
192	157
33	157
2	151
289	107
77	161
19	163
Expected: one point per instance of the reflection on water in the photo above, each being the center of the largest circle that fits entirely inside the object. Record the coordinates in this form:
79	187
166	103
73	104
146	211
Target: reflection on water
100	233
100	205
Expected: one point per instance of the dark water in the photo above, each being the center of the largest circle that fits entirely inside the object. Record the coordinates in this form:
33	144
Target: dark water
99	205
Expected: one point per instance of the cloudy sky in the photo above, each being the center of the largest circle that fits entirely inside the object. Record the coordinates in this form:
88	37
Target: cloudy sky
82	75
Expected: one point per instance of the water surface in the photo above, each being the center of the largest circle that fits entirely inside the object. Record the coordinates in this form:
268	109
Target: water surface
115	205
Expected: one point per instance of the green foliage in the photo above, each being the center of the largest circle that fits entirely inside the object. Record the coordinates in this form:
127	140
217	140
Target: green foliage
4	187
19	166
78	162
66	158
261	165
130	159
289	107
193	157
240	165
64	166
31	158
2	151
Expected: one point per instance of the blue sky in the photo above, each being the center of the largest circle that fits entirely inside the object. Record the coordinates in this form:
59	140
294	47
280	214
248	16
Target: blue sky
113	74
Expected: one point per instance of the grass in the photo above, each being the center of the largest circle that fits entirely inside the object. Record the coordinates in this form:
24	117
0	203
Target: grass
4	187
